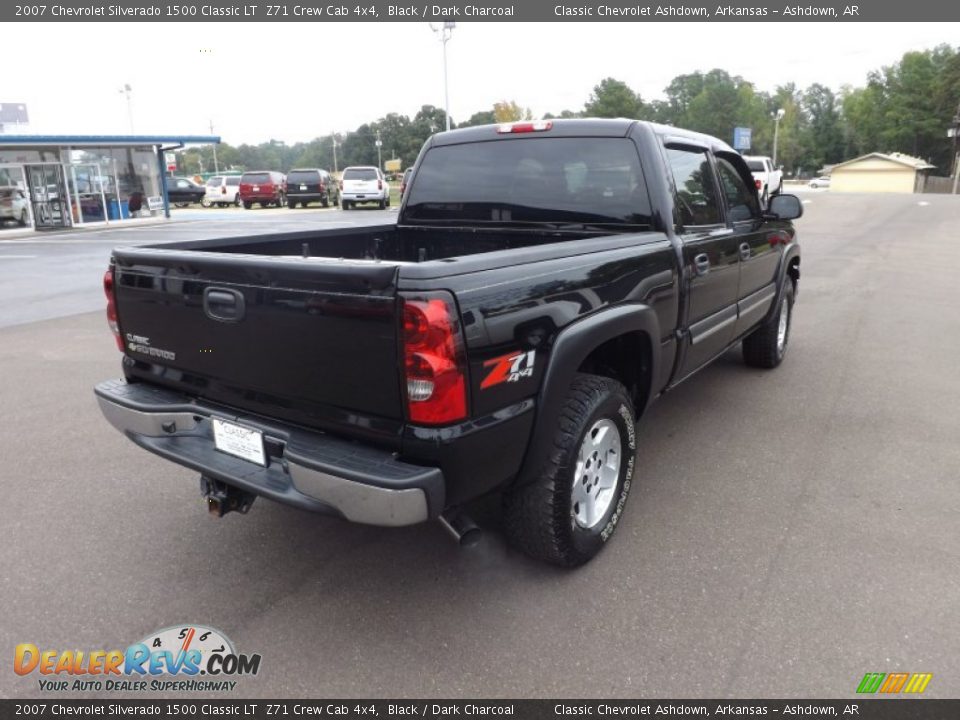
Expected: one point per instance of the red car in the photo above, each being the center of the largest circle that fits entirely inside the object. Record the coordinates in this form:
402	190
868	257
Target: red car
263	186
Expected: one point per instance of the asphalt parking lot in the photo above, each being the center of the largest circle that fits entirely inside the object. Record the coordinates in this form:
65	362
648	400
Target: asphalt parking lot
790	531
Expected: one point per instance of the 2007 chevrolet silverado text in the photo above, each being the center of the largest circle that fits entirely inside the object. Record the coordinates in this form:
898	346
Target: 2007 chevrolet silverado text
544	282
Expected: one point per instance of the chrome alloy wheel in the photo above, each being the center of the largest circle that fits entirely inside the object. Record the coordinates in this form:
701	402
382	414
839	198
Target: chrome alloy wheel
596	474
782	327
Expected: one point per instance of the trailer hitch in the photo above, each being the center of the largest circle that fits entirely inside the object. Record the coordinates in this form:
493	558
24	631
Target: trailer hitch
222	498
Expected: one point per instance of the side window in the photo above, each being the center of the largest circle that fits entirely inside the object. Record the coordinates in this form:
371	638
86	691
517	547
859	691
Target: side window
696	191
742	202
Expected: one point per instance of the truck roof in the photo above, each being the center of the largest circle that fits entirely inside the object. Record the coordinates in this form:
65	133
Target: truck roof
579	127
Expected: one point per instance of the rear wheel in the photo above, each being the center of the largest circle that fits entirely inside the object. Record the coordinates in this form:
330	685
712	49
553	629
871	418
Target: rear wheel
22	221
766	346
567	513
388	201
247	204
345	204
291	204
383	204
324	201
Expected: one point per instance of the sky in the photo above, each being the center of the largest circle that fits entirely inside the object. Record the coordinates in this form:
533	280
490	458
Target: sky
296	81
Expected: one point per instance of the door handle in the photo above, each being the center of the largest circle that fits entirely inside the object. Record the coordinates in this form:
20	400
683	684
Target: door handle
702	263
745	251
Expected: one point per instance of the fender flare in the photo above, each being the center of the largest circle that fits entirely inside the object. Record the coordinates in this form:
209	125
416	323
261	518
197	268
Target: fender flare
572	346
792	252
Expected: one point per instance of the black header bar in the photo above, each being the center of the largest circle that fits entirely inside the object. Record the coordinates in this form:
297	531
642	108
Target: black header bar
481	11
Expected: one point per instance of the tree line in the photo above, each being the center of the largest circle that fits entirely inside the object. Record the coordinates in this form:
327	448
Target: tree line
905	107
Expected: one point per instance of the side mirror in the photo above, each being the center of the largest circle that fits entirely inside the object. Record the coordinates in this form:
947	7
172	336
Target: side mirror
784	207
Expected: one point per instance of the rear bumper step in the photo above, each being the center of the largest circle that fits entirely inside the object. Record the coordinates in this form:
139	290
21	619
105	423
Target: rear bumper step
309	470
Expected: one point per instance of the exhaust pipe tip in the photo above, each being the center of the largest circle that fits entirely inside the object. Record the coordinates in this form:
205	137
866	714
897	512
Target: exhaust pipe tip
464	530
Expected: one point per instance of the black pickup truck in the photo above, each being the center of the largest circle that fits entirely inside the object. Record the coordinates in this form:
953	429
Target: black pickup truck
543	283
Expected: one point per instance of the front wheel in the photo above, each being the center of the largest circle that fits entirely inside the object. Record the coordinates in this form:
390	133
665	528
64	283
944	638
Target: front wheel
766	346
570	509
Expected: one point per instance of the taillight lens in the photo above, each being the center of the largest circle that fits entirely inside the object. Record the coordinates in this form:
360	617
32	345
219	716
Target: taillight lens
758	184
379	184
109	291
433	360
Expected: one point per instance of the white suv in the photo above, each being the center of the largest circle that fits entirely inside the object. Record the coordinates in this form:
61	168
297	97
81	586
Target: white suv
222	190
13	205
363	184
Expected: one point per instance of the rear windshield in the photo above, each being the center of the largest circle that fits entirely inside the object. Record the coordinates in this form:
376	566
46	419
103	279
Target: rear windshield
756	166
360	174
255	178
214	182
233	180
299	176
556	181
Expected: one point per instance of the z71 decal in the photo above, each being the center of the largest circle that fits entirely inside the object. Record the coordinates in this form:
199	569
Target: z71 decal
509	368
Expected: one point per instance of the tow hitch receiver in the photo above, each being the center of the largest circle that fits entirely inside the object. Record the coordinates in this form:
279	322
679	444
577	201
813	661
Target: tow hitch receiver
222	498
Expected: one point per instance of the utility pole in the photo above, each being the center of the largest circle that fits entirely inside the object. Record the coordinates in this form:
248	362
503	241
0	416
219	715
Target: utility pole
776	131
444	32
216	165
126	90
956	153
379	145
334	139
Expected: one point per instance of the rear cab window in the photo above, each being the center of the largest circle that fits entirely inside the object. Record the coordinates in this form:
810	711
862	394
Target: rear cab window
255	178
561	181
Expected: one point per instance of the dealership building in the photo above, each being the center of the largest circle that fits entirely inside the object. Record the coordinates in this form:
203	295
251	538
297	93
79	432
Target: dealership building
78	180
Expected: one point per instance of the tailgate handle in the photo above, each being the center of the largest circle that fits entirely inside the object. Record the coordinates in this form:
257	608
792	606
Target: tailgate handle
223	304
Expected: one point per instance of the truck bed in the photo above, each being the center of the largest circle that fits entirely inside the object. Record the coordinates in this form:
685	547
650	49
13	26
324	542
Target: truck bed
391	243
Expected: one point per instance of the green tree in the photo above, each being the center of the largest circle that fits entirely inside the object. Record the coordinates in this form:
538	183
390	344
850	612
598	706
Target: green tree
613	98
508	111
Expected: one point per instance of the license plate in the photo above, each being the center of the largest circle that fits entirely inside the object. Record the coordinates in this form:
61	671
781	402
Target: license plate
256	188
303	187
239	441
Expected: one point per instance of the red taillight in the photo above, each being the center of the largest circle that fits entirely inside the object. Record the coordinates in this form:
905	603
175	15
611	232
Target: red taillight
379	184
758	184
434	365
525	127
108	290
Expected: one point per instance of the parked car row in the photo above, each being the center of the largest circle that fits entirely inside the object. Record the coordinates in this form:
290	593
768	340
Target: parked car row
301	186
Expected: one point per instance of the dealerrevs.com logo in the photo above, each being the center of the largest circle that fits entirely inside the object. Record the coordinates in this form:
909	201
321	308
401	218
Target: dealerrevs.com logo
180	658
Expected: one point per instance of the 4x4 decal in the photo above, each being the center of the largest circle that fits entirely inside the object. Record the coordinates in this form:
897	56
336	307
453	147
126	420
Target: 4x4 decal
509	368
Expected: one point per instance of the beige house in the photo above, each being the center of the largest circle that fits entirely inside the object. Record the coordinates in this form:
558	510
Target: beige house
880	172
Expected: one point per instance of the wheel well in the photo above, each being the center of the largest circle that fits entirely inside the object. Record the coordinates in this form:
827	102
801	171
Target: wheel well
628	359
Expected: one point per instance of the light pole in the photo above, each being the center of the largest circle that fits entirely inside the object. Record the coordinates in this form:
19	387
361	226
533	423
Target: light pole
334	139
379	145
216	165
126	90
776	130
444	32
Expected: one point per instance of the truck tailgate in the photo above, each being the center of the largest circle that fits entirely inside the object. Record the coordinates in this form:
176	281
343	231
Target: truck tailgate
319	334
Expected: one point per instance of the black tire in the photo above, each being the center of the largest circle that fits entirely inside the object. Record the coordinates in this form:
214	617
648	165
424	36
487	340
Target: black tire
22	221
324	202
383	204
345	205
540	515
247	205
762	348
388	201
291	204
